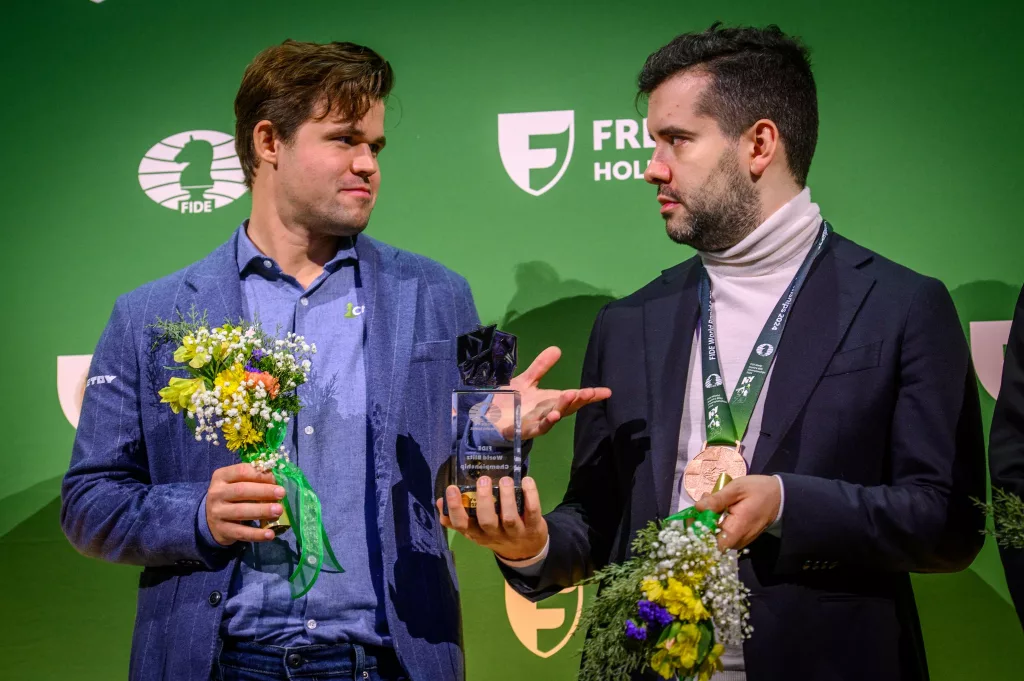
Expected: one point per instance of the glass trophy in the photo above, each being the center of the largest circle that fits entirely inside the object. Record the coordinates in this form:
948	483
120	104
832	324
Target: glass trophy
486	426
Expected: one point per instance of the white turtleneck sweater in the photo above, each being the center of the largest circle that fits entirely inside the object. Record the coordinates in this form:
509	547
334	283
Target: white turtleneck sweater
747	281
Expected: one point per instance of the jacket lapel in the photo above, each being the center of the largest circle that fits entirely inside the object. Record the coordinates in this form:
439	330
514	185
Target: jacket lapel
670	321
391	297
213	286
821	316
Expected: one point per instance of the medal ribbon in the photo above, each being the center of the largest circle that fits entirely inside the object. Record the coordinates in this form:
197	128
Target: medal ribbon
726	421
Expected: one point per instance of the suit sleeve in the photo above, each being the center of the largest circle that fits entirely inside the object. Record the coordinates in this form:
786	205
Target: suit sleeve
110	508
581	529
924	520
1006	444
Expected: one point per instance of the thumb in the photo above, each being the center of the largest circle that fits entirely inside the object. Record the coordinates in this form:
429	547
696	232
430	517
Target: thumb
722	500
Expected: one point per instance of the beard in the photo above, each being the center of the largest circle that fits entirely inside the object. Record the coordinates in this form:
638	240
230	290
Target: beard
718	214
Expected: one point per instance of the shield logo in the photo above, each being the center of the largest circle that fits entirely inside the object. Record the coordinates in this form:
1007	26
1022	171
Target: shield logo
514	133
527	619
72	372
988	348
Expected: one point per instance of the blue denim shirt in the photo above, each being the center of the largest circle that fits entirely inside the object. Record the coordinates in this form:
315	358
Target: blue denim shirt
328	442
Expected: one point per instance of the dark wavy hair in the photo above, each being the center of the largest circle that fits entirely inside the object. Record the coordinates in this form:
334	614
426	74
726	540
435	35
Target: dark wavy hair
291	83
758	73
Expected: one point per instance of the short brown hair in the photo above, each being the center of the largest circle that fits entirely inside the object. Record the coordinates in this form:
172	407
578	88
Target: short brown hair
290	83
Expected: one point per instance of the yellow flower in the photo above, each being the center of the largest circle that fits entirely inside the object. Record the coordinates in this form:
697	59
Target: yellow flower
713	663
189	352
684	647
662	664
229	380
653	589
237	438
179	393
680	600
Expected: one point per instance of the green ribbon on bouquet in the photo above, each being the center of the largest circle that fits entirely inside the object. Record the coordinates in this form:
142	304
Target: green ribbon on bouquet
303	508
708	520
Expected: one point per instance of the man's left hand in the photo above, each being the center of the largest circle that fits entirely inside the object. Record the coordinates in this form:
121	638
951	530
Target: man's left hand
752	502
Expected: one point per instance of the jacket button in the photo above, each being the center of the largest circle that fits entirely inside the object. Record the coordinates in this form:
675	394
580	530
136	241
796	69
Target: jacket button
215	598
294	660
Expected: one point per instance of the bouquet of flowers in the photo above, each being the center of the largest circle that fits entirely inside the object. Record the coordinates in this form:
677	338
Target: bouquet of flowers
242	389
673	607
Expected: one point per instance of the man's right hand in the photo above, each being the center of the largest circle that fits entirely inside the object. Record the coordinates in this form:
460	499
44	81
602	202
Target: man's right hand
239	493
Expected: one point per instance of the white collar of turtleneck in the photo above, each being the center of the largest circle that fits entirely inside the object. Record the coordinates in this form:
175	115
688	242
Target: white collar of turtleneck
784	237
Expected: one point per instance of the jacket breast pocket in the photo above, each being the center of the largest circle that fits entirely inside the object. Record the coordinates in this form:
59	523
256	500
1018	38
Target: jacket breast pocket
434	351
855	359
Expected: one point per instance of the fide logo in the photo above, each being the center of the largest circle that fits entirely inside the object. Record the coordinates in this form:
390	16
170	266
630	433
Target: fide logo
765	349
520	156
193	172
713	381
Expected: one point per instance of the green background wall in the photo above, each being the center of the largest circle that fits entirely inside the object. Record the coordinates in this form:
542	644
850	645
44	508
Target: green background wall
918	158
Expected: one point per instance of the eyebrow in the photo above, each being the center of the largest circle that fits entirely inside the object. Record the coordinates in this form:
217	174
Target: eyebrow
671	130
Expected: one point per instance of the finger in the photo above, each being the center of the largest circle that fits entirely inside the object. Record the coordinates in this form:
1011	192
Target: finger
458	519
249	491
245	533
722	499
510	520
729	533
531	504
243	511
243	472
486	517
540	366
445	521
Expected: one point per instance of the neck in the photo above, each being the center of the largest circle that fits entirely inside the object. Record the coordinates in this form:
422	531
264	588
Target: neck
784	237
297	250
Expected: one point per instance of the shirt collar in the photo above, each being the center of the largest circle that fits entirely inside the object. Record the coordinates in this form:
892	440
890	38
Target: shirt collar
248	256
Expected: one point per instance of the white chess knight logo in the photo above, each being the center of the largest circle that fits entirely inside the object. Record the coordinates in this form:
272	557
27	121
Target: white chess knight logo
527	619
514	133
72	379
193	172
765	349
714	380
988	343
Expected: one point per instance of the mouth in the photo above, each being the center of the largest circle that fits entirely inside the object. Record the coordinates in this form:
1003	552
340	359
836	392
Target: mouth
667	204
358	192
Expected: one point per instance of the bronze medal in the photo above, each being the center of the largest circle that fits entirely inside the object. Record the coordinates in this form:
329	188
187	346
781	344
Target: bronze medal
704	470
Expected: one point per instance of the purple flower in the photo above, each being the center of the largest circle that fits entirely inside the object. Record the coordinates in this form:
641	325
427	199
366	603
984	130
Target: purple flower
249	367
634	632
257	354
654	613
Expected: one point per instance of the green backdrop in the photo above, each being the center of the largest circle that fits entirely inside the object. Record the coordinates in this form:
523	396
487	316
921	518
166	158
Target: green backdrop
918	158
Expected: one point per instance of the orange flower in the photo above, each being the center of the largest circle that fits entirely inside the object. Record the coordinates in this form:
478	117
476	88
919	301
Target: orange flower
269	383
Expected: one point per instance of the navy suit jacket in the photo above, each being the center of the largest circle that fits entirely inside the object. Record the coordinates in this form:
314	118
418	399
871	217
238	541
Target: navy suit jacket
872	421
1006	445
137	476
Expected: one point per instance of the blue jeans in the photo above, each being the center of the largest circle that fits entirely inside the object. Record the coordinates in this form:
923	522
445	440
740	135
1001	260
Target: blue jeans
246	661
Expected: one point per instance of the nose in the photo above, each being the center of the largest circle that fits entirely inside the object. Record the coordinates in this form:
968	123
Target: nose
657	173
364	163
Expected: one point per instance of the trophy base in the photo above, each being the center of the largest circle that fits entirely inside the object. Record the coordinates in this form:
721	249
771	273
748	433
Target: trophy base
469	500
279	526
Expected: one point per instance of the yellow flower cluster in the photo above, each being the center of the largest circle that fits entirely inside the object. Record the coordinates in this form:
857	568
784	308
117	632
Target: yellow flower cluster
179	391
678	598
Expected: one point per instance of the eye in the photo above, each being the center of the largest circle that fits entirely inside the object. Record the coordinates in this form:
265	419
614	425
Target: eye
676	140
344	139
376	149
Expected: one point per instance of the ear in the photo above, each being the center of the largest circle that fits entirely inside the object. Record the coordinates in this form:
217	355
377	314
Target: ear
765	146
266	142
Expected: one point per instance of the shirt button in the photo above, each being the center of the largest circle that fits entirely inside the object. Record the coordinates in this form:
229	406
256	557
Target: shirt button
309	430
268	264
311	624
304	301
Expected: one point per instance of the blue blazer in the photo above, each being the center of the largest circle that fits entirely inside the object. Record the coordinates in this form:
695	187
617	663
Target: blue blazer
137	476
871	420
